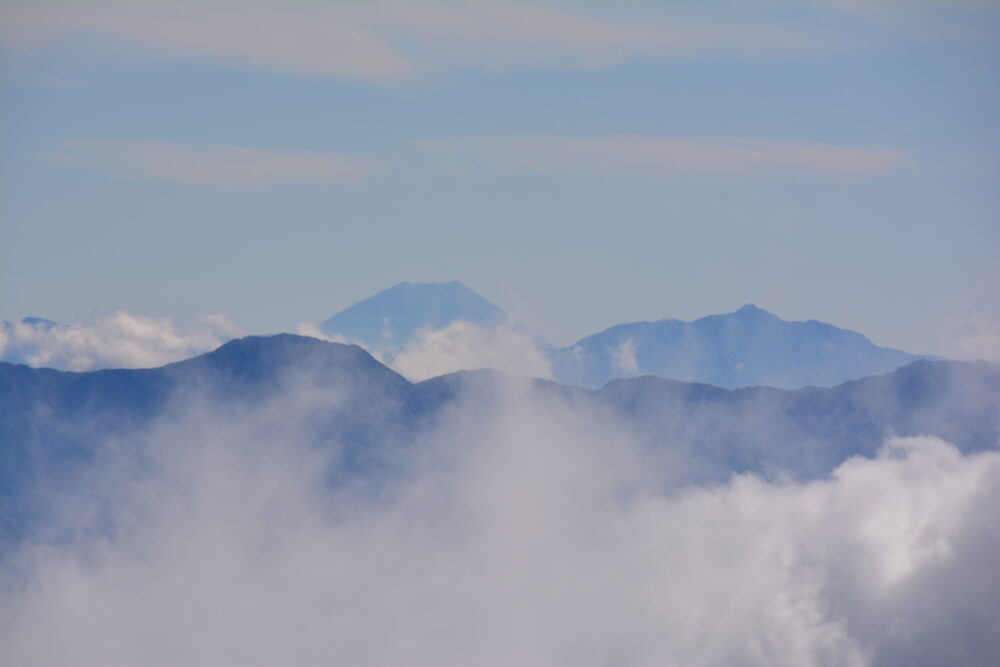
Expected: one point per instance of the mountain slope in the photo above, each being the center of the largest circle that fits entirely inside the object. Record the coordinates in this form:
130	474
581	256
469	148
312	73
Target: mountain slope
746	348
808	432
54	423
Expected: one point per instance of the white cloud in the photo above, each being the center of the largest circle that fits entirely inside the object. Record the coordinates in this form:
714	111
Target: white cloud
465	346
120	340
460	346
623	357
661	156
215	166
388	41
526	535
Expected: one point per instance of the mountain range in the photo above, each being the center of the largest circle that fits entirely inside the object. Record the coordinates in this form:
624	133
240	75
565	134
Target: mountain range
749	347
55	424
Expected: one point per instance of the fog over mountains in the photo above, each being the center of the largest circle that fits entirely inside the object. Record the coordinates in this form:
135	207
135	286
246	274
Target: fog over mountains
302	489
230	437
629	493
51	422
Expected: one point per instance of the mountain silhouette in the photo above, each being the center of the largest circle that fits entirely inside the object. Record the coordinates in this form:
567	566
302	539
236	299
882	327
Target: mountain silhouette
749	347
54	423
392	317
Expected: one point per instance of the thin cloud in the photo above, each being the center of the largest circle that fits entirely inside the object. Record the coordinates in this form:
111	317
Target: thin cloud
634	154
222	167
391	41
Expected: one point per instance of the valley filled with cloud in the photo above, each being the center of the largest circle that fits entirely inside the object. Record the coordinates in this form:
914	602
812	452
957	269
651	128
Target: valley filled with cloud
515	528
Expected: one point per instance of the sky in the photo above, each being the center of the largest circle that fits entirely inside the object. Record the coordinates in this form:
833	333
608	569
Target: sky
578	164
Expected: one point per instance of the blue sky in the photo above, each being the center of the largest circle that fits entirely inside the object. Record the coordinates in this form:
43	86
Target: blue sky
579	164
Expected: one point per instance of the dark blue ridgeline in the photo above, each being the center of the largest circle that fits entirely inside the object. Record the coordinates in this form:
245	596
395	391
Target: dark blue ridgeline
52	423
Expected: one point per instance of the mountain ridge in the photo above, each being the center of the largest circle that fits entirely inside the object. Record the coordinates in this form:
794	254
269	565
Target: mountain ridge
747	347
351	385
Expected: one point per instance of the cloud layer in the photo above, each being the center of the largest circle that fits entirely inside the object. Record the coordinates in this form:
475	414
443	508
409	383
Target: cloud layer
525	533
120	340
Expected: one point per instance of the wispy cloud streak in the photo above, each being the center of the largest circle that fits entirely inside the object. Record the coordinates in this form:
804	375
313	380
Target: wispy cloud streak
215	166
634	154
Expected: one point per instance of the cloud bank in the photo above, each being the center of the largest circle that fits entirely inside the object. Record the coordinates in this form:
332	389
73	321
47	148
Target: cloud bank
524	533
215	166
120	340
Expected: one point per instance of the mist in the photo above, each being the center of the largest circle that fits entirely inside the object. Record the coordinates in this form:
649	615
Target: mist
522	531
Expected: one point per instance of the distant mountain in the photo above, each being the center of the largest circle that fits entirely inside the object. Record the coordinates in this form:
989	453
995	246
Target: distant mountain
52	423
750	347
392	317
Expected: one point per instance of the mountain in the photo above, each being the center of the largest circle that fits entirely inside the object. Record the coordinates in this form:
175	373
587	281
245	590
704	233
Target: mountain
54	424
392	317
749	347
